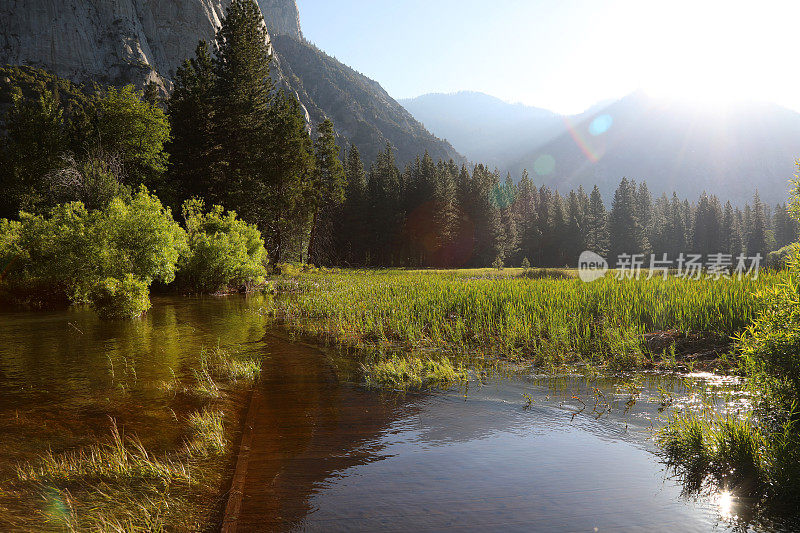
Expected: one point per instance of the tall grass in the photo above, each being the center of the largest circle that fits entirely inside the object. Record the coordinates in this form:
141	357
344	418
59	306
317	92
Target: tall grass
545	319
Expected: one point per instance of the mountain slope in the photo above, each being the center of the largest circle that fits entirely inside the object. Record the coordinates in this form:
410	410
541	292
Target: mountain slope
361	109
729	152
484	128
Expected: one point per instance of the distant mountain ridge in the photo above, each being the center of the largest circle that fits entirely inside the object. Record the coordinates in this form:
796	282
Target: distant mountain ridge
484	128
143	41
728	151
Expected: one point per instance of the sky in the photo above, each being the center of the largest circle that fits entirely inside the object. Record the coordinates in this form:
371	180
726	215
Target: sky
566	55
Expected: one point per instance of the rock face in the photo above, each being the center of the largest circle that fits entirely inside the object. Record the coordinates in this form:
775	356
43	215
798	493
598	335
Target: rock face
112	41
141	41
282	17
119	41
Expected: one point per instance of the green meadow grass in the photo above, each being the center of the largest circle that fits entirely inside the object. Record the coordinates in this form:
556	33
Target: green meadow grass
502	313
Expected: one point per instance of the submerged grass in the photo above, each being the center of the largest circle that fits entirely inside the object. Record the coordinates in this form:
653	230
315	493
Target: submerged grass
120	486
408	373
548	319
208	433
120	461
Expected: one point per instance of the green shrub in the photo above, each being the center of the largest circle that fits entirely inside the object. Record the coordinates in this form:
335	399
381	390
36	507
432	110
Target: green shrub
224	252
115	298
770	346
61	257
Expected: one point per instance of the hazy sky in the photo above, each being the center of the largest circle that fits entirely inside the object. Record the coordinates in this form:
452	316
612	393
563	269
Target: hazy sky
567	54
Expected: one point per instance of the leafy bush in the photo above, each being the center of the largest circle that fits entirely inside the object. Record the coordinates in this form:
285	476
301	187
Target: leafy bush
115	298
143	239
60	258
771	345
224	252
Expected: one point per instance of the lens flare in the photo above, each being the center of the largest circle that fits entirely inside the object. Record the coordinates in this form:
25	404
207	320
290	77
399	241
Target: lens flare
601	124
544	165
725	504
581	142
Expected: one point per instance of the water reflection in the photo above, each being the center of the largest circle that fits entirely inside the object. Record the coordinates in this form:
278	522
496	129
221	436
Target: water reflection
328	454
64	374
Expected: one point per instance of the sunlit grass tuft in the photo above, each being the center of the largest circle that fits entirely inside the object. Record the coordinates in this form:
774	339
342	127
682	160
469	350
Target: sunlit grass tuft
121	460
207	433
413	373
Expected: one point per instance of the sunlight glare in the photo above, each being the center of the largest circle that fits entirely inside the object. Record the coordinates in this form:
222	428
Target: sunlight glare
725	504
716	52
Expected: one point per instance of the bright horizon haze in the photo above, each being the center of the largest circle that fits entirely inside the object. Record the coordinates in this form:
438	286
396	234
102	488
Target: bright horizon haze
566	55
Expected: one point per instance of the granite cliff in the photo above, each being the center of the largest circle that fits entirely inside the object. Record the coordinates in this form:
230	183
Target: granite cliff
142	41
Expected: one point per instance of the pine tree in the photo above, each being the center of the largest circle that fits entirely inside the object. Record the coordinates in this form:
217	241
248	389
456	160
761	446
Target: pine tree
558	225
385	211
728	237
644	215
576	228
351	233
707	226
511	239
525	212
327	189
544	252
191	113
785	227
284	206
625	231
487	218
244	137
757	229
597	239
446	216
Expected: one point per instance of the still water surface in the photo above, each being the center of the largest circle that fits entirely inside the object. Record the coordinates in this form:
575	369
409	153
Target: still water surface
330	455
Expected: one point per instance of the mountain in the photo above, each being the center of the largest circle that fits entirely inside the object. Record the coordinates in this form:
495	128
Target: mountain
675	146
484	128
361	109
143	41
728	150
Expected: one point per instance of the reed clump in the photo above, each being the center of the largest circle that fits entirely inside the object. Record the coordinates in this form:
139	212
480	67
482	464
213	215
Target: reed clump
413	373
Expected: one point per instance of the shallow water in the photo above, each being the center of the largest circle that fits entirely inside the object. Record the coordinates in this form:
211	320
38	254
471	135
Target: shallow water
330	455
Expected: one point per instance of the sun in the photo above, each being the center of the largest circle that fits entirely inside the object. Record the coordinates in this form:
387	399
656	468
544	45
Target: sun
717	53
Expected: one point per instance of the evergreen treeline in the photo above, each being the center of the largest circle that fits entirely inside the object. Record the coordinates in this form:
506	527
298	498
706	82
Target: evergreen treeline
227	137
442	215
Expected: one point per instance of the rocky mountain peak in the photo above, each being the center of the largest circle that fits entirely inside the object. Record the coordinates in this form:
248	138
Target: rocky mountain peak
282	17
